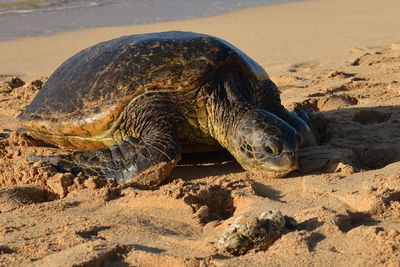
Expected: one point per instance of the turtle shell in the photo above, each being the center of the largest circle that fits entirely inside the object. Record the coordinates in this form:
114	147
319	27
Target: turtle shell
85	95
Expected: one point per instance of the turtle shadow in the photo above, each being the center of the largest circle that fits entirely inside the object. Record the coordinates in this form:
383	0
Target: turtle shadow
265	191
366	138
199	165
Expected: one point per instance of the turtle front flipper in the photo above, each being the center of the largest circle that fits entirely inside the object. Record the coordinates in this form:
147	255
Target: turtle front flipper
144	161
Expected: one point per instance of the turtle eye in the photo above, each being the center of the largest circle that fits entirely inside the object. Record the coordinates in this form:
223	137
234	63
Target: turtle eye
268	149
273	148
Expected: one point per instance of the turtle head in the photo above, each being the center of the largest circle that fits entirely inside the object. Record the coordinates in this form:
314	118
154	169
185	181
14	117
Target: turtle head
265	144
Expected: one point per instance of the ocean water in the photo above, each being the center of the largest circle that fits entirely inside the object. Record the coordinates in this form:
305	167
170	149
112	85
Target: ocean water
21	18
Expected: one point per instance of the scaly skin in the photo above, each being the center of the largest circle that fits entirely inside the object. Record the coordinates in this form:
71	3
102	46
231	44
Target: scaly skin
244	129
144	161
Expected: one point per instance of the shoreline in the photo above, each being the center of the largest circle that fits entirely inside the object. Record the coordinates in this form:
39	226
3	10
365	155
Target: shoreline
60	16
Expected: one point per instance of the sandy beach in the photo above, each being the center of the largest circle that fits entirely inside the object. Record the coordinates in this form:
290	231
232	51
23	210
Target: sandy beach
339	60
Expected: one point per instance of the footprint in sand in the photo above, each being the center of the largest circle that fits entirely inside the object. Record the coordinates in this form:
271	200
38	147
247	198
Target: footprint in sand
378	57
285	82
326	103
302	66
365	59
370	117
286	79
14	198
339	75
209	203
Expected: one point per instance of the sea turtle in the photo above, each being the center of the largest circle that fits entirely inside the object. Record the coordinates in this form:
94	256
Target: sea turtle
130	106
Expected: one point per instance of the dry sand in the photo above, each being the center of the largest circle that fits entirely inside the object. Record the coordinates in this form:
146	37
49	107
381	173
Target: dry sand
338	59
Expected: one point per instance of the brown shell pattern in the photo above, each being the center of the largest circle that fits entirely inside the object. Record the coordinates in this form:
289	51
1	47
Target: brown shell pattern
85	95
